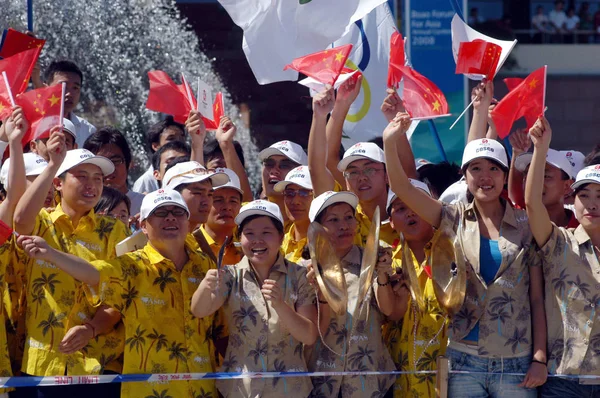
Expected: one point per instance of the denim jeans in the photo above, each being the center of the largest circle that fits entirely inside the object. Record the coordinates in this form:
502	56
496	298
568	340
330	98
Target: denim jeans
495	385
564	388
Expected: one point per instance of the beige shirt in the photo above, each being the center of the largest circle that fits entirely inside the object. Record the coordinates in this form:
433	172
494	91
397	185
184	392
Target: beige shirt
502	308
357	337
258	342
572	284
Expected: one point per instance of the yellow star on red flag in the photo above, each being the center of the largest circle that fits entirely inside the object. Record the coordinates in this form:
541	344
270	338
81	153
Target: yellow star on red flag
533	83
436	106
54	100
339	56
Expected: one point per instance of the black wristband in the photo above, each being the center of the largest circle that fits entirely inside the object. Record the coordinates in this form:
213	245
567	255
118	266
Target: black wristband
382	284
540	362
323	302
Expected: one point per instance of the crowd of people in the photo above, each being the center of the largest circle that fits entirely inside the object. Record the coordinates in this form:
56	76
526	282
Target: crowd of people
222	281
570	26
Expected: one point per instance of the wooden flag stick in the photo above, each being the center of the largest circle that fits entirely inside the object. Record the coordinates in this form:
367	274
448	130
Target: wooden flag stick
463	112
8	90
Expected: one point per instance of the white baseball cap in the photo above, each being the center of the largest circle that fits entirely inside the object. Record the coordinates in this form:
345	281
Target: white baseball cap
554	158
34	165
259	208
234	180
75	157
421	162
159	198
576	159
299	176
415	183
587	175
190	172
329	198
69	127
289	149
361	150
484	148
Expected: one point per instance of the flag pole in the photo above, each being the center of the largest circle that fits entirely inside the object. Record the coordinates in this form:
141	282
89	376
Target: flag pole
30	15
62	104
544	107
463	112
436	139
198	94
187	90
8	90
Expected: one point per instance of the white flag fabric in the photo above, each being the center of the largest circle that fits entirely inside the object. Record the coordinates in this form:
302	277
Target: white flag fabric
316	86
371	54
278	31
461	32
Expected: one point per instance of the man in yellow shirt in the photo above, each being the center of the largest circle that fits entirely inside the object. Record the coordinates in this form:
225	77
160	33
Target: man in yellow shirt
297	196
415	339
220	224
152	288
64	334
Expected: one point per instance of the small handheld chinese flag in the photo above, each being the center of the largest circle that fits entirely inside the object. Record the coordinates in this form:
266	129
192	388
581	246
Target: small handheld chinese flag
397	57
478	57
42	109
18	70
525	100
422	99
14	42
167	97
324	66
512	82
218	111
5	232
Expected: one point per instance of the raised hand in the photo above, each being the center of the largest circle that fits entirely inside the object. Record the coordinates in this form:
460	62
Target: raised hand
398	126
541	133
323	102
348	91
483	94
195	125
226	131
272	293
57	146
16	125
384	261
211	280
392	105
520	141
35	247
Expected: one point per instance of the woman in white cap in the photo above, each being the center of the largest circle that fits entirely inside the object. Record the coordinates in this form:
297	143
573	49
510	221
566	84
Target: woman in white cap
270	308
500	327
297	196
571	270
351	341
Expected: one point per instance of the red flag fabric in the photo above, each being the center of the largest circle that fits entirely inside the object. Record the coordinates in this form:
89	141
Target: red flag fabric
512	82
422	99
478	57
525	100
397	57
18	70
218	111
167	97
5	232
14	42
42	110
324	66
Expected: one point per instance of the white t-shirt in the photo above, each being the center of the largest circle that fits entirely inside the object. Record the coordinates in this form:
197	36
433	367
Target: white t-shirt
571	22
136	201
540	22
558	18
146	183
83	129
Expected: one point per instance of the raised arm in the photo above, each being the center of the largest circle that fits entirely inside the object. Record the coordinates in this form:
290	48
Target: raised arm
346	95
391	106
539	220
225	135
15	128
492	133
209	297
520	142
33	199
429	209
321	178
37	248
195	127
483	92
384	293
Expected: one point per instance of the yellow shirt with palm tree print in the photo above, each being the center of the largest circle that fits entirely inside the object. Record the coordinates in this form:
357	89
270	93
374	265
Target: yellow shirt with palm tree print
162	335
56	302
418	339
6	253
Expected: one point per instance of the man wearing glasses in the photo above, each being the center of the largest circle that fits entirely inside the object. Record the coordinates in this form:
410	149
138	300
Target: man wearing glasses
111	143
277	161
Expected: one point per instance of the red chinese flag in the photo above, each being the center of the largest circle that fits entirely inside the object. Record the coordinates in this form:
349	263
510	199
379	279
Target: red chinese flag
525	100
324	66
397	57
218	112
512	82
18	70
14	42
42	110
478	57
5	232
422	99
167	97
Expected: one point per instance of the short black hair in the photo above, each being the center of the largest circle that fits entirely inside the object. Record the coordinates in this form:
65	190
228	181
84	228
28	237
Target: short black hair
173	145
278	225
177	160
61	66
105	136
439	176
110	199
212	150
154	132
592	158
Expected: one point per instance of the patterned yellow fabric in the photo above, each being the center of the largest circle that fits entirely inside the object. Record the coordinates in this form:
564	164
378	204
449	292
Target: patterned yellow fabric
6	252
56	301
232	254
386	232
424	332
162	335
291	248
